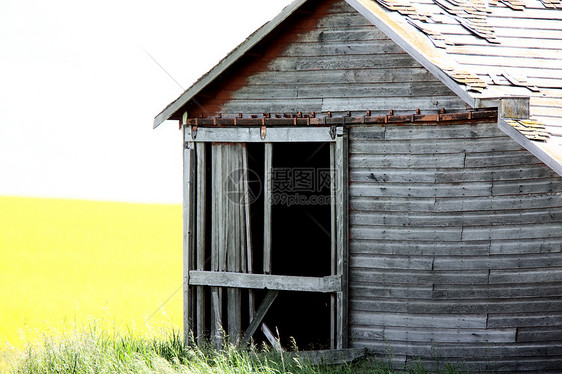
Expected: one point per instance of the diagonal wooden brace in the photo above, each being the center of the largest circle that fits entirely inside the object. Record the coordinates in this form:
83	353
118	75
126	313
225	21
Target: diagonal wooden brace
262	310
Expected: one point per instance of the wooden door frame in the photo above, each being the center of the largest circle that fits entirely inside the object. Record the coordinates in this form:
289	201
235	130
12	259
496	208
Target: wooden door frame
194	144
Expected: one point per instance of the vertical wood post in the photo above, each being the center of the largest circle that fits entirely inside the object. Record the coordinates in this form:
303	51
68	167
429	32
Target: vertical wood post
267	194
188	232
234	207
333	242
200	237
224	233
217	235
248	236
342	211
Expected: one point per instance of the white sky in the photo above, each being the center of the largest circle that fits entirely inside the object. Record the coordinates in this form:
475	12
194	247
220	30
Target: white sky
78	92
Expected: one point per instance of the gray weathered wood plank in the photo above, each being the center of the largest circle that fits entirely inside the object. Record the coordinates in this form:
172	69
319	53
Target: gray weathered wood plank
451	234
369	290
266	281
448	219
233	224
253	134
536	319
400	106
273	340
249	244
342	232
267	198
375	189
420	320
497	291
416	247
374	261
443	161
437	335
217	240
189	164
544	261
201	223
372	75
544	306
416	277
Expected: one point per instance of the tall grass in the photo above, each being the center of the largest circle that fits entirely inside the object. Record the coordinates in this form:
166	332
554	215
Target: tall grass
95	350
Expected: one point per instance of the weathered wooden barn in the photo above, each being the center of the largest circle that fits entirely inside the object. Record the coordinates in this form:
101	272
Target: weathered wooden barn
384	175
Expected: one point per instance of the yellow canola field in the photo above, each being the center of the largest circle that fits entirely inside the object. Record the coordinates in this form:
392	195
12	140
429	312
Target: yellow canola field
64	262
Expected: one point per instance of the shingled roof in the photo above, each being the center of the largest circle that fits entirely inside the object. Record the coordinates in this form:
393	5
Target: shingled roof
485	51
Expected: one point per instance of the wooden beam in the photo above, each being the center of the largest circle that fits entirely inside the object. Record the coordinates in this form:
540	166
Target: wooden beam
200	237
267	194
234	248
266	281
216	312
216	293
255	134
268	300
271	338
249	248
342	210
188	235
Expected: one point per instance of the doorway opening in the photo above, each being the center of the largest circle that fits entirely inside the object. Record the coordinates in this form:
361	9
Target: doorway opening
264	244
301	240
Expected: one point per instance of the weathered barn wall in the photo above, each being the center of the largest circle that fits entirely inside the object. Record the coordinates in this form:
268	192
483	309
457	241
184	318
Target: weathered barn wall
455	247
327	58
455	231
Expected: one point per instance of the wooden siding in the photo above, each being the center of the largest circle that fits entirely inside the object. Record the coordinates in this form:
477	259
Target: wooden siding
328	58
455	248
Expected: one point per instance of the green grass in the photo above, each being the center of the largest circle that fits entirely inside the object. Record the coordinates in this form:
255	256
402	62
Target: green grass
97	350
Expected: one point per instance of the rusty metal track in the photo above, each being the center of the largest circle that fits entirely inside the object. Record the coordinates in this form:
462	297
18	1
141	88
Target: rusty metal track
328	120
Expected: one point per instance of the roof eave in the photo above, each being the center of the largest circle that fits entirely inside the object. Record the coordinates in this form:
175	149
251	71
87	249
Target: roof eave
539	150
225	63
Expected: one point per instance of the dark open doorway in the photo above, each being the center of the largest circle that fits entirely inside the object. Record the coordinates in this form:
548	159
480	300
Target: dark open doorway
301	239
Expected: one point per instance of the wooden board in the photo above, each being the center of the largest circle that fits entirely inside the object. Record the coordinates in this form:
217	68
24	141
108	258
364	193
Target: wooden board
327	284
267	207
188	237
254	135
256	320
455	243
201	221
342	232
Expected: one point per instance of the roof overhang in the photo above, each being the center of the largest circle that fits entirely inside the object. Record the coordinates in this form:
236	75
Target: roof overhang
415	44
